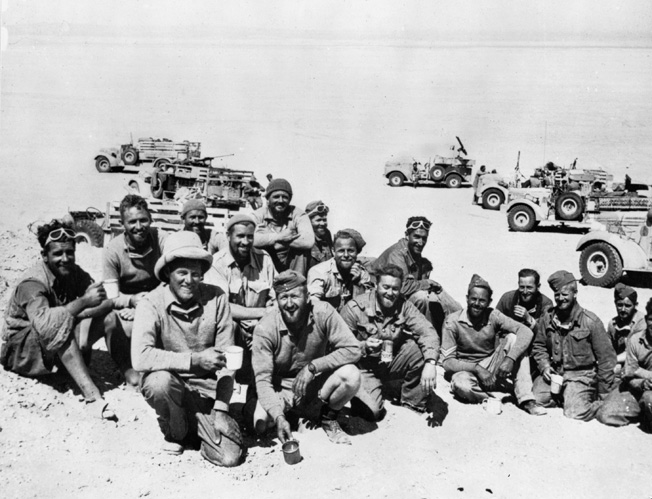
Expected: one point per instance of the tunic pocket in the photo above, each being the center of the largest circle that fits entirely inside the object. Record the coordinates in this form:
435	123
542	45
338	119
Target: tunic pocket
580	348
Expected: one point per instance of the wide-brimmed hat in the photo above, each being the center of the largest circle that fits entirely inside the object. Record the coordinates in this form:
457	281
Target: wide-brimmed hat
184	244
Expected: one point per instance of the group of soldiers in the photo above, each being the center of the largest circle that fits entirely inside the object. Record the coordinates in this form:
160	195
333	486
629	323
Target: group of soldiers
320	327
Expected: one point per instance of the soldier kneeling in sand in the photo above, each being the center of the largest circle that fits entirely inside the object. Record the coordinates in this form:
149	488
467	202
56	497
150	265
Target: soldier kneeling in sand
398	343
180	332
303	358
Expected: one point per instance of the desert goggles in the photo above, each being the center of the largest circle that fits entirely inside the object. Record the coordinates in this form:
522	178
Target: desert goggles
419	224
320	209
59	234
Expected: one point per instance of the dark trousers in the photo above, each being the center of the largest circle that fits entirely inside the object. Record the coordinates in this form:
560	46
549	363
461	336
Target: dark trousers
185	411
407	365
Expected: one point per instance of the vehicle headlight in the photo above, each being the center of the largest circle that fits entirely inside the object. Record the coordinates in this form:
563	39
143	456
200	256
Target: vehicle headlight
170	169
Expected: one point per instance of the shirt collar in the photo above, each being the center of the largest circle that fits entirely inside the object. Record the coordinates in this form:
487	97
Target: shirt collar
374	310
573	318
50	278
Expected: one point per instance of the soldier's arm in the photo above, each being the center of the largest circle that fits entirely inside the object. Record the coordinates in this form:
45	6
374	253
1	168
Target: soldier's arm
605	356
306	239
424	333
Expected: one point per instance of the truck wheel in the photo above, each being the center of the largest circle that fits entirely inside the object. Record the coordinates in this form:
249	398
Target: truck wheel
156	186
160	163
130	156
521	219
396	179
437	173
89	232
453	181
102	164
492	199
569	206
601	265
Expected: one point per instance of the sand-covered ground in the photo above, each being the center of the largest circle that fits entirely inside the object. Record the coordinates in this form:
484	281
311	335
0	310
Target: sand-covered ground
325	114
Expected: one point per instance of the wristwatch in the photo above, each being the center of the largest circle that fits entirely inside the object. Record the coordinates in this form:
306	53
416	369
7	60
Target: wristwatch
312	368
431	361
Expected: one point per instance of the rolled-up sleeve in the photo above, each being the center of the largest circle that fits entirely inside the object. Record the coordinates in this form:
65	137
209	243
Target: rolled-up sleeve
344	347
306	239
145	356
111	270
317	283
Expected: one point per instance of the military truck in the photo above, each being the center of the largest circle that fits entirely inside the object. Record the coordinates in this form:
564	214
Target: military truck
145	150
219	187
580	207
436	171
615	249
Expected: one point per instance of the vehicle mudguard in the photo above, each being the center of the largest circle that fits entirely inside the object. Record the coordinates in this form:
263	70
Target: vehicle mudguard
111	153
539	212
493	186
634	258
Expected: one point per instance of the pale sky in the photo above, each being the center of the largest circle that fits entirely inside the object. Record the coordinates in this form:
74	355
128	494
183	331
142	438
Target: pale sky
510	20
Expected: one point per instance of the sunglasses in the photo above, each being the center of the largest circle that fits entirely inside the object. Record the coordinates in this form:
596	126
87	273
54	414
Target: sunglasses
59	234
321	209
419	224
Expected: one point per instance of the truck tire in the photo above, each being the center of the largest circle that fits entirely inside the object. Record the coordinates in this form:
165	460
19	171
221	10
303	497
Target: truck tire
601	265
453	181
569	206
130	156
102	164
396	179
160	163
156	185
492	199
521	219
437	173
89	232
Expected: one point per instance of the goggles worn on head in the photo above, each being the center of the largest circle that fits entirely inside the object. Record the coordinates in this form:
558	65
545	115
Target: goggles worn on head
320	209
419	224
59	234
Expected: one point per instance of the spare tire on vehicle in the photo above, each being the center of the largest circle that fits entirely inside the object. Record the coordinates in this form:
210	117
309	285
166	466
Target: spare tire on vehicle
89	232
156	185
569	206
130	156
437	173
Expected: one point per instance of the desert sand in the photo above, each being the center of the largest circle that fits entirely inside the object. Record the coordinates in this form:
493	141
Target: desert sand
325	113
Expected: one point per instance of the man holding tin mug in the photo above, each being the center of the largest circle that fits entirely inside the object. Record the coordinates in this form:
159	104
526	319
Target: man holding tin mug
54	317
397	342
181	331
303	358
